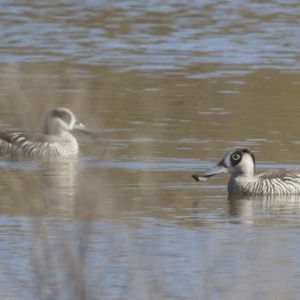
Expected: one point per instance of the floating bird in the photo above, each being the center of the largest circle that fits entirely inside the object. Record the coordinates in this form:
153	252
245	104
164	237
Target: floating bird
240	163
56	140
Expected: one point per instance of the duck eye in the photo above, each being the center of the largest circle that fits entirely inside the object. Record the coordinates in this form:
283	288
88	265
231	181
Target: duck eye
66	117
236	156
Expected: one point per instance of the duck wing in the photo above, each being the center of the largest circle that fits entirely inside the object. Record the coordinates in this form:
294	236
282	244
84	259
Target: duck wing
19	138
280	174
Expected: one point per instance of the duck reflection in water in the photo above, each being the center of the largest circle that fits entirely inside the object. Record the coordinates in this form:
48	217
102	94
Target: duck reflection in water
60	182
250	209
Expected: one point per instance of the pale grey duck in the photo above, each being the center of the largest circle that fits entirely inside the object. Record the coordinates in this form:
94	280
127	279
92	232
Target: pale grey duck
56	140
240	163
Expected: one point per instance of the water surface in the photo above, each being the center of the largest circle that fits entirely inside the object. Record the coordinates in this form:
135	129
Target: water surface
170	87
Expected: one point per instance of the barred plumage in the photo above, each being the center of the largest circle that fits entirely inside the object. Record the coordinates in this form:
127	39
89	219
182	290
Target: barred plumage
240	162
56	141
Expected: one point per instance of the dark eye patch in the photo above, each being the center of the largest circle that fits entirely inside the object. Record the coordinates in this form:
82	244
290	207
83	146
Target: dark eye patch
236	157
62	115
55	113
66	117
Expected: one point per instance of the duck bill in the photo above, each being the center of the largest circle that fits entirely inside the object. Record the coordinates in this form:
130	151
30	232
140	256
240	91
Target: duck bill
80	127
217	169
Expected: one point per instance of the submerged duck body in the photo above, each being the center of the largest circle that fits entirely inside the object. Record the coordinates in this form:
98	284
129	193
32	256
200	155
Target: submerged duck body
240	163
56	140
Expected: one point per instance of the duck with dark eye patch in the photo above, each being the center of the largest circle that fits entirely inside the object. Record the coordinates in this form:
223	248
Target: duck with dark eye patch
56	140
240	163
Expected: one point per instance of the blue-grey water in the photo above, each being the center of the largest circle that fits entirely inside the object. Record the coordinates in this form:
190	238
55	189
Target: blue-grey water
169	86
